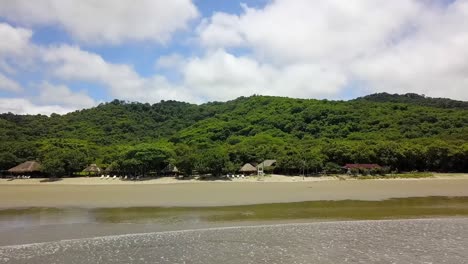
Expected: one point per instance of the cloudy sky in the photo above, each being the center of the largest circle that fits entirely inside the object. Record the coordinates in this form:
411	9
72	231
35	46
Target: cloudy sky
63	55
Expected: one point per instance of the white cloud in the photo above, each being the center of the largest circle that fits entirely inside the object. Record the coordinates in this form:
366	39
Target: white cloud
14	40
15	47
296	48
221	30
24	106
121	80
298	30
432	61
105	21
63	96
394	46
9	85
221	76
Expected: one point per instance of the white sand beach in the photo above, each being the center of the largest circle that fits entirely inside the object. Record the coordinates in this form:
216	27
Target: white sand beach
173	180
94	192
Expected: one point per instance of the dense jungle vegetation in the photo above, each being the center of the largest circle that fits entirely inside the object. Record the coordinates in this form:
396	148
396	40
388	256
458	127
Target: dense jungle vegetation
404	132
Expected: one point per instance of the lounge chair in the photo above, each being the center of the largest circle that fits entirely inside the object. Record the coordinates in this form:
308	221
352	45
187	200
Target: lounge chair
102	177
125	177
115	177
107	177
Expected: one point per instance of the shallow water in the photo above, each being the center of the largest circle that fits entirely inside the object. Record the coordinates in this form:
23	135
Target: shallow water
415	207
27	225
396	241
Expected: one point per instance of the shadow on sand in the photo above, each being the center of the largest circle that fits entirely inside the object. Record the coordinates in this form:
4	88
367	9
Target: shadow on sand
187	178
51	180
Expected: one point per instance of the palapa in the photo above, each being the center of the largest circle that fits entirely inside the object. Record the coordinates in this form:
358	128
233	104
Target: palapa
93	168
26	167
248	168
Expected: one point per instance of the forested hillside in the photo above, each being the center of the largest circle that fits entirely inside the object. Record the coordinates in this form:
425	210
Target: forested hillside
404	132
415	99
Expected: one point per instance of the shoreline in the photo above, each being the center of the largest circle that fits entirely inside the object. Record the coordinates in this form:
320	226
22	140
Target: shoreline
201	194
250	179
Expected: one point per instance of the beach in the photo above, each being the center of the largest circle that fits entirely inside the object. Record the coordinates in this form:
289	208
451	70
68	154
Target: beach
67	217
173	180
94	192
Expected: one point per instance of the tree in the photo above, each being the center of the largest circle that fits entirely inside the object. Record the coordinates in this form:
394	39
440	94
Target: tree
185	159
145	158
53	166
7	160
332	168
212	161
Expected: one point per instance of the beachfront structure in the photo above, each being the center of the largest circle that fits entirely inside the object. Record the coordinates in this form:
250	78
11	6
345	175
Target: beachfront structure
92	169
266	166
267	163
248	169
29	167
170	169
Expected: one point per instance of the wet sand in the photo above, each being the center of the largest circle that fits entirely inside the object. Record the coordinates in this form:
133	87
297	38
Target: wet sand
396	241
31	225
220	193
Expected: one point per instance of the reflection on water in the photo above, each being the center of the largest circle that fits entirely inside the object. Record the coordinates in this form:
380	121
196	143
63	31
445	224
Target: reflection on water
317	210
12	218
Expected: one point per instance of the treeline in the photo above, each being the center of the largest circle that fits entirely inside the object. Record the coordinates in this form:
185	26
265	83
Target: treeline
415	99
66	157
304	136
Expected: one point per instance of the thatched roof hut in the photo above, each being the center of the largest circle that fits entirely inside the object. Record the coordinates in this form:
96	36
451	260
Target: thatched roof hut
26	167
93	168
248	168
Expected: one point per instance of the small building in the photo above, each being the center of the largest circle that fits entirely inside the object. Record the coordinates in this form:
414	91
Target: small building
266	166
349	167
92	169
268	163
248	169
170	170
32	168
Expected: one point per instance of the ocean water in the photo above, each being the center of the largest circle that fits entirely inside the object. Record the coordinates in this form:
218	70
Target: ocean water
423	230
369	241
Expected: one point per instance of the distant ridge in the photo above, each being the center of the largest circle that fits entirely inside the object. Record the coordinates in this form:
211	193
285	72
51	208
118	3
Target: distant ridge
412	98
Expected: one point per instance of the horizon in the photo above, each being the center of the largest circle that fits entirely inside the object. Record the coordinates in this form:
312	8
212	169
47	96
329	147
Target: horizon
194	51
226	101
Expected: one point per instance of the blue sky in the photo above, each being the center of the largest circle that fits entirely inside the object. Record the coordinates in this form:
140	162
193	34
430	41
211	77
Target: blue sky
60	56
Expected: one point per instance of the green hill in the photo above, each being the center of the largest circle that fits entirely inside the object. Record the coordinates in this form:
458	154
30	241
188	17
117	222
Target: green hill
404	132
415	99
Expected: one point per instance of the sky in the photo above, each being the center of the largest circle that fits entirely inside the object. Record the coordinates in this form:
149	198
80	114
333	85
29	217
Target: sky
58	56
